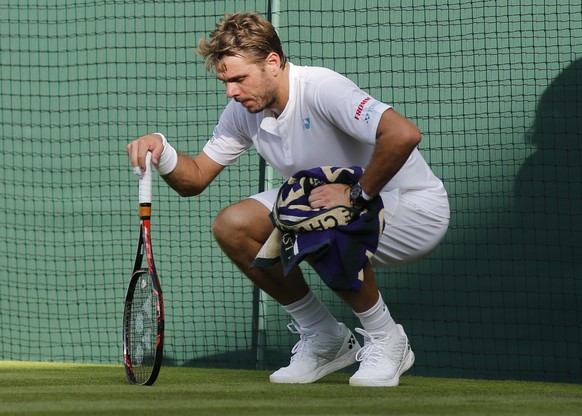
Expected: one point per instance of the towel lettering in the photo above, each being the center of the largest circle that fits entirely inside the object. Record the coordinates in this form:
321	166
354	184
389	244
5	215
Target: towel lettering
339	217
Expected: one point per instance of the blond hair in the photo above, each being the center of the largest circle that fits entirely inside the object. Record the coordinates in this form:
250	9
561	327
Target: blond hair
242	34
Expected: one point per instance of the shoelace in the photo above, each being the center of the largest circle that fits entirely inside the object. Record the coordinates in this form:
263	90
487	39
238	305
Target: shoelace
372	353
300	349
314	345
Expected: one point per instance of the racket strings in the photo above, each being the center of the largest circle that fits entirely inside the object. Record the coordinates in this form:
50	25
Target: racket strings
144	328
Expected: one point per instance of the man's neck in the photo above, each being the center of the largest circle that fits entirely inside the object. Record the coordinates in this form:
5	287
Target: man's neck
283	91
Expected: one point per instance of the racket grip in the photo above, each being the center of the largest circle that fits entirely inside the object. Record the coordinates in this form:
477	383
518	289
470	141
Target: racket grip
145	182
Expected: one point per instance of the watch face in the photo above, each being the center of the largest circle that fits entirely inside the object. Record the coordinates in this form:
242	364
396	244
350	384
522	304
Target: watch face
355	191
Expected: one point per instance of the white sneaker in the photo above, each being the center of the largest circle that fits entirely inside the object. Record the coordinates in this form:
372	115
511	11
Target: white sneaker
384	357
316	355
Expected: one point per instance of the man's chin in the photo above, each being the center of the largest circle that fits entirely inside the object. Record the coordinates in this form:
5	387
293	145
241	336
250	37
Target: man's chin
253	109
253	106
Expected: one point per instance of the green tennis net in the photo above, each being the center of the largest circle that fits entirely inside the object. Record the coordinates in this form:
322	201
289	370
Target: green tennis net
496	88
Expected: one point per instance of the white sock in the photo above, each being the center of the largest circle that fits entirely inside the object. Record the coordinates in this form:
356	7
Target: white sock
377	318
311	315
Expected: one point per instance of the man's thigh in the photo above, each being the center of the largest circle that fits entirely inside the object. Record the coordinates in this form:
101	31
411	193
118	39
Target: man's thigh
249	217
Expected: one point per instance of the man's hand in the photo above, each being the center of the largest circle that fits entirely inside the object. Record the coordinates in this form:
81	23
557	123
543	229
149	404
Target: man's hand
138	149
330	195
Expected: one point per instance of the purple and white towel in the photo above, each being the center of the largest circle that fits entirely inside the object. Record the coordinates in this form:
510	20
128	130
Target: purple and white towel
339	240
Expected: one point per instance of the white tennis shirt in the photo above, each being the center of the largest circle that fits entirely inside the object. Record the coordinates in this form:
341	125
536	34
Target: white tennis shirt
328	121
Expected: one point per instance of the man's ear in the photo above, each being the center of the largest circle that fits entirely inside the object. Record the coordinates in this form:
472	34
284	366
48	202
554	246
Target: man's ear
272	61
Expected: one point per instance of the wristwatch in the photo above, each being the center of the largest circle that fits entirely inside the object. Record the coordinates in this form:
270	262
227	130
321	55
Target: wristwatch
356	198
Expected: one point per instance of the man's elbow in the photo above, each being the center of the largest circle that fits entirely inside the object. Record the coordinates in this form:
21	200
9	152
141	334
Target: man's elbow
184	189
185	193
415	137
411	136
188	192
397	129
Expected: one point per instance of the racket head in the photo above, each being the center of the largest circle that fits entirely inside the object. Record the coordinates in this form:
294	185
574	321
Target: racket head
143	328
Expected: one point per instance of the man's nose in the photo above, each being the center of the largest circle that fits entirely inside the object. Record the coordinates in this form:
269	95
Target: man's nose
232	90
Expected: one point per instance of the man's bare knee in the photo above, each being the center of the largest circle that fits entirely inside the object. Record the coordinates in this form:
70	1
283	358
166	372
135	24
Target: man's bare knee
227	223
245	219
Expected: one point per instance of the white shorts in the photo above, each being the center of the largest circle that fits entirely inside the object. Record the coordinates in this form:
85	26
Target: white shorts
416	222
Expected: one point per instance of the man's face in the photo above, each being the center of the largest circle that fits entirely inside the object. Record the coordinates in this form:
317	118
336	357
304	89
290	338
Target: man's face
247	83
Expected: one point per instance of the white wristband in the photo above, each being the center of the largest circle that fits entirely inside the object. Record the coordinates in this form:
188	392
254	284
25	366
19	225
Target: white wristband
366	196
168	159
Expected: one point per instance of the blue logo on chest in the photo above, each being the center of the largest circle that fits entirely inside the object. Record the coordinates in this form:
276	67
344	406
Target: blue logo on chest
306	123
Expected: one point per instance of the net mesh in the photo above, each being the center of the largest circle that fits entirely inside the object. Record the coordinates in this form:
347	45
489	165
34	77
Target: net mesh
495	87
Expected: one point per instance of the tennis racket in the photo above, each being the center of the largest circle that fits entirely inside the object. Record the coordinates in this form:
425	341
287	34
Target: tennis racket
143	317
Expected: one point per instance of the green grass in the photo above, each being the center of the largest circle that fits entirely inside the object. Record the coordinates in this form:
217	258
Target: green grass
75	389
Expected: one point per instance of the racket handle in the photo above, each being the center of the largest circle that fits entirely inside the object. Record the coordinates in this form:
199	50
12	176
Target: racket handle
145	182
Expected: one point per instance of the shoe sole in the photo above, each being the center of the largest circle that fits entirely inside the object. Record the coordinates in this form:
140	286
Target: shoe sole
392	382
344	361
